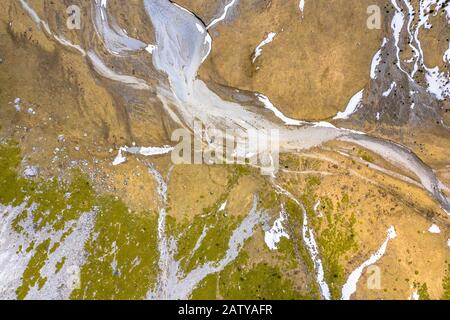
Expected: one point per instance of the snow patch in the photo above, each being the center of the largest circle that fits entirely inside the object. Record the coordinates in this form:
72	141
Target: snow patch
288	121
414	295
376	61
144	151
223	206
311	245
438	83
119	158
274	235
349	287
434	229
389	91
301	5
267	40
150	48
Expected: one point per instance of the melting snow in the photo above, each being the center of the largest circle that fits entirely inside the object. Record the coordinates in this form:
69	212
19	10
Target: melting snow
274	235
376	61
224	14
115	39
67	43
119	158
13	260
288	121
145	151
267	40
150	48
172	282
397	24
311	244
153	151
446	57
301	5
438	83
434	229
223	206
416	55
324	124
414	295
352	106
199	240
35	17
310	241
349	287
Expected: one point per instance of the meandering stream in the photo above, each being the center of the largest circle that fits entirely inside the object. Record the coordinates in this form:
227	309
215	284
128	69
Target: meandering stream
180	49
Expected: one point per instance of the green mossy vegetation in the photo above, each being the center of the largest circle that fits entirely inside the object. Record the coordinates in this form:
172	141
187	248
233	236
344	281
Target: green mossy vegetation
446	284
207	289
214	245
32	275
122	251
56	204
270	200
123	254
12	187
217	225
335	233
241	280
422	290
261	282
295	216
365	156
